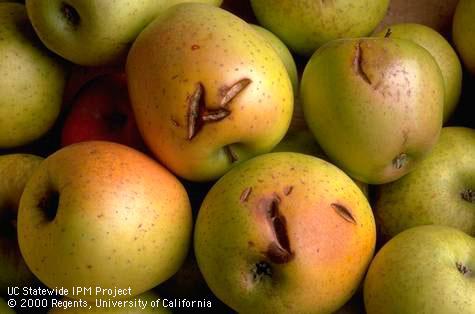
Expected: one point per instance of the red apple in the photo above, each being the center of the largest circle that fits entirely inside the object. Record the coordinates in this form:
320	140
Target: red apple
101	111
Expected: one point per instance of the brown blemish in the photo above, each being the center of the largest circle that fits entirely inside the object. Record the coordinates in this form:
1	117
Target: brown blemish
400	161
358	64
344	213
288	189
245	194
233	157
215	115
175	122
463	269
389	32
468	195
194	111
278	250
233	91
195	47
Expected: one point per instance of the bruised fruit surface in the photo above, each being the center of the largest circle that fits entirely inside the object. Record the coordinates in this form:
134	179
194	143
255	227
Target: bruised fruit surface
207	91
102	214
375	105
284	233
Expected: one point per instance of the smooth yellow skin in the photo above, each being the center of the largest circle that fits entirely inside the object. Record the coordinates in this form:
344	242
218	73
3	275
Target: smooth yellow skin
365	117
283	52
442	52
148	297
463	28
15	170
305	25
105	31
4	308
32	80
193	44
416	272
116	223
331	254
431	194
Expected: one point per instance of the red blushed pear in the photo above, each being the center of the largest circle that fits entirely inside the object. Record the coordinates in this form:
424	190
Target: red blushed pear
284	233
103	214
101	111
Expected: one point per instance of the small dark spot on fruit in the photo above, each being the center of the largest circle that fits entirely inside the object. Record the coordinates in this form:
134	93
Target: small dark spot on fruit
288	189
195	47
245	194
344	213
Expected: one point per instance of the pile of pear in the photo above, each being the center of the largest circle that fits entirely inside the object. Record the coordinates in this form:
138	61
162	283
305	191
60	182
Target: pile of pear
271	185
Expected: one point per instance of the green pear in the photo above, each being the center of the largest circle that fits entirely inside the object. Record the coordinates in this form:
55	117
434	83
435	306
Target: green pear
463	28
283	53
441	190
284	233
31	80
305	25
216	93
101	214
4	308
95	32
442	52
423	270
15	170
150	302
375	105
436	14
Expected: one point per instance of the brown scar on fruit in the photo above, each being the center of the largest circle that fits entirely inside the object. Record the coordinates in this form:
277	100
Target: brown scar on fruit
288	189
175	122
278	250
344	213
358	63
463	269
233	91
400	161
195	47
233	157
194	111
215	115
468	195
389	32
245	194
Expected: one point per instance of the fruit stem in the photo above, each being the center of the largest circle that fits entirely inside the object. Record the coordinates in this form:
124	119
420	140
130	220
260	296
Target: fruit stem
468	195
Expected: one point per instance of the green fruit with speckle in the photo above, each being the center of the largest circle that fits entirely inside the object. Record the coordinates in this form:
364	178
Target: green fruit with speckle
284	233
216	93
283	52
442	52
305	25
375	105
32	80
95	32
440	191
423	270
100	214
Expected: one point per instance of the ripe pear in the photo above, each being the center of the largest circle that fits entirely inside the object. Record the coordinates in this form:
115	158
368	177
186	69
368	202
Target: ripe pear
101	214
442	52
305	25
207	91
441	190
375	105
95	32
283	52
426	269
463	29
284	233
32	80
15	170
